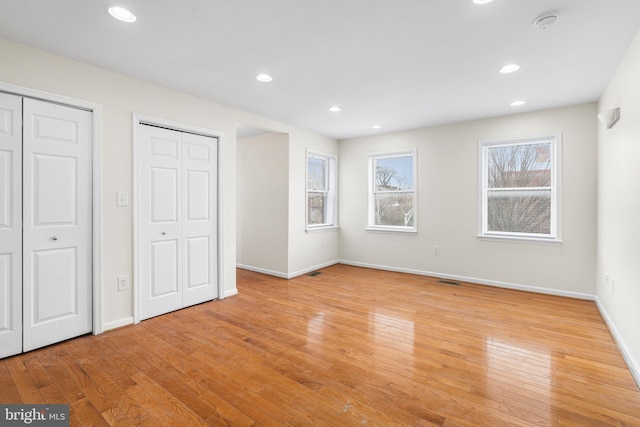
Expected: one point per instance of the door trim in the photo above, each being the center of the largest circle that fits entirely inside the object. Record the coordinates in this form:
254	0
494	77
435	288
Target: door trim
140	119
96	115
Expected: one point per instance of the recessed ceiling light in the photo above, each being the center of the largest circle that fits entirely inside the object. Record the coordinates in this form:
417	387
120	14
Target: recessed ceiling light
121	14
518	103
482	1
335	109
376	127
263	77
509	68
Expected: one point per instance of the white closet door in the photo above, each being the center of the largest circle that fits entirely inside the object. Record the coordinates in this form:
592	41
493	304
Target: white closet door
160	198
57	275
199	225
176	194
10	225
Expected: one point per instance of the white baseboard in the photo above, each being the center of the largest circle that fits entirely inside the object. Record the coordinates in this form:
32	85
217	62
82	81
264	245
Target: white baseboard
633	365
310	269
263	271
497	284
479	281
231	293
117	323
286	275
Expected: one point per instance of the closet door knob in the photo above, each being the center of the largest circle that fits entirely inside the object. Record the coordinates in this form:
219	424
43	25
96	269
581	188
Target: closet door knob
164	233
54	238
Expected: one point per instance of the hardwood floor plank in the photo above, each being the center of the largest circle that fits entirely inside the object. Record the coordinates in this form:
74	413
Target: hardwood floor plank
162	404
23	382
8	390
87	414
36	370
121	408
218	387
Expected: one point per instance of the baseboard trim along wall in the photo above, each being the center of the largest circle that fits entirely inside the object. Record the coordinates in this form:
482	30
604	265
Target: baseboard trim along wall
231	293
633	365
117	323
286	275
475	280
125	321
263	271
310	269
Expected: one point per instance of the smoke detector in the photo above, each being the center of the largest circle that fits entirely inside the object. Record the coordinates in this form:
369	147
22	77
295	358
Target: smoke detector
545	21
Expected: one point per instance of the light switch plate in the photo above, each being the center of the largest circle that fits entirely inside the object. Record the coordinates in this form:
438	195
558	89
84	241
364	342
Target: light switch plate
123	200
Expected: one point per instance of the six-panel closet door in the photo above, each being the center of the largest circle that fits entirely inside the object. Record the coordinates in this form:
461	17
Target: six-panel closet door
177	207
45	223
10	225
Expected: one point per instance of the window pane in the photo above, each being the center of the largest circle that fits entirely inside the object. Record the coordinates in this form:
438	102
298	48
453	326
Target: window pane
317	209
394	209
394	173
520	212
520	166
317	174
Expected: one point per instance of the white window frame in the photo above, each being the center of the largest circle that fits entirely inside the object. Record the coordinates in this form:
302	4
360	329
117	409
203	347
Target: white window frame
332	191
555	234
371	226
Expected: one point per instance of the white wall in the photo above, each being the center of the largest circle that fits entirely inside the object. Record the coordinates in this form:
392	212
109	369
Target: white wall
281	246
317	249
262	164
447	216
121	96
619	208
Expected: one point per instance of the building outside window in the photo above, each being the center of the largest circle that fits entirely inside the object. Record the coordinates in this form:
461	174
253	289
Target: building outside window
321	191
520	188
392	192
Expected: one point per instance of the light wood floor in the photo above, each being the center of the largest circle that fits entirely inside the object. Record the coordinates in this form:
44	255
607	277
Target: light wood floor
347	347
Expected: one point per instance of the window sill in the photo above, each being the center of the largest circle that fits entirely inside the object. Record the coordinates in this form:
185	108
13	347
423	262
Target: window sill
392	230
516	239
321	228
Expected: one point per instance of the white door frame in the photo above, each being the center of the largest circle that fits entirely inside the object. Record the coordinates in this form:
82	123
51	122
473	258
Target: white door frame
139	119
96	114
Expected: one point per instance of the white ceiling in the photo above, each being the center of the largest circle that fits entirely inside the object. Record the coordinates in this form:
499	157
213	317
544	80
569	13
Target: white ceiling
398	63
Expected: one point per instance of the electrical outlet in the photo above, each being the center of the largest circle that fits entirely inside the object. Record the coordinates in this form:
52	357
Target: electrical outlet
123	199
436	250
123	283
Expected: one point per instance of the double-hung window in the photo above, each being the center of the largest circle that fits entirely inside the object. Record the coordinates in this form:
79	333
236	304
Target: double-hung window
520	187
321	191
392	192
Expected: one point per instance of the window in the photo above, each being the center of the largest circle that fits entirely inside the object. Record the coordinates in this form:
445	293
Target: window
321	191
520	187
392	196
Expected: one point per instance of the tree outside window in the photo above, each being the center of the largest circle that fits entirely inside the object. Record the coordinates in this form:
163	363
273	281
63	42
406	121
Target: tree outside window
520	188
392	191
